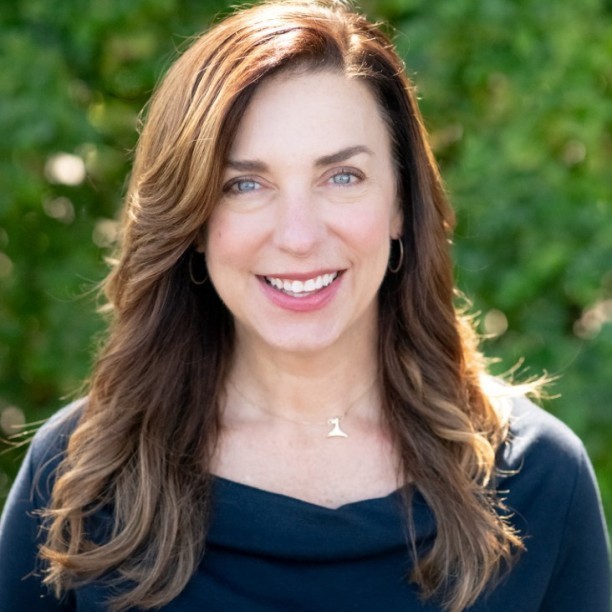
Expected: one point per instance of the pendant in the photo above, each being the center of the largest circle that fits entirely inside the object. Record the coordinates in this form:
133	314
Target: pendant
336	431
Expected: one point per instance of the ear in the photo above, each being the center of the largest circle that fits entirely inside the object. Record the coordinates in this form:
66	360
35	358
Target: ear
397	222
199	244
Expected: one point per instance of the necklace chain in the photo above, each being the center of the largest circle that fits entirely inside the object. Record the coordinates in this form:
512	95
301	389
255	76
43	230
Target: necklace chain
334	422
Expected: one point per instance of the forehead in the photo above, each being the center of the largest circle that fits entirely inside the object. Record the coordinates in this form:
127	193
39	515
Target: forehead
309	111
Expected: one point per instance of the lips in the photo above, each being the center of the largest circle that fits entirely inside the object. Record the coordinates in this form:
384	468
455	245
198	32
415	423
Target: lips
301	288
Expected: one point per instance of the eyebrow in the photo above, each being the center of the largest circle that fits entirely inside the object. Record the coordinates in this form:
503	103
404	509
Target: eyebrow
342	155
248	165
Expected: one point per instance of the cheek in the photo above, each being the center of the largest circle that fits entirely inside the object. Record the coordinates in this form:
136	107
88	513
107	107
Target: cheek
231	240
221	236
368	230
220	241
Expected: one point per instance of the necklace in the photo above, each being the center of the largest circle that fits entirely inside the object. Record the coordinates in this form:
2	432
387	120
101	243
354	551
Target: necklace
336	430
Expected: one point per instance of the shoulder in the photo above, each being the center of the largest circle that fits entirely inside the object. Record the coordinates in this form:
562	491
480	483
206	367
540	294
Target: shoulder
539	438
53	435
547	485
535	438
543	466
48	445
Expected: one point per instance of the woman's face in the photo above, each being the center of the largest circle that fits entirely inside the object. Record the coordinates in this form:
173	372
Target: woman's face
299	243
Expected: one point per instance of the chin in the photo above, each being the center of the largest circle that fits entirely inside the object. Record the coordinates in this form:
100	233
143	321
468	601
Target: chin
307	345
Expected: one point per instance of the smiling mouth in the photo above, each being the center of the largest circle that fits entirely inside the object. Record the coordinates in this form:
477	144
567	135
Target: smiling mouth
301	288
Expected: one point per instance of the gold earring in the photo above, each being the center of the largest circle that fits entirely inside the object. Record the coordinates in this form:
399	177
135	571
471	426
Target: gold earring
395	269
194	280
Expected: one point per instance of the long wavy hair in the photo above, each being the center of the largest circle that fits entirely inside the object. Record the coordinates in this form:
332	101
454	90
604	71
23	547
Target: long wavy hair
141	452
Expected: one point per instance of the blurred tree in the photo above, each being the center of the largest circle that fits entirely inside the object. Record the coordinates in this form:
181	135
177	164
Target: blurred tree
516	96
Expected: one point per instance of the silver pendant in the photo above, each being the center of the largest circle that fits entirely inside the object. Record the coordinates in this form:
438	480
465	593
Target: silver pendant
336	431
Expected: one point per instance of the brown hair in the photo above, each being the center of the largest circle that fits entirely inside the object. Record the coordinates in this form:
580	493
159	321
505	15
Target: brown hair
143	445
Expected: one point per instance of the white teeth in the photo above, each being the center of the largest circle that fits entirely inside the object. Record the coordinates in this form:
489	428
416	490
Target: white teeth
299	288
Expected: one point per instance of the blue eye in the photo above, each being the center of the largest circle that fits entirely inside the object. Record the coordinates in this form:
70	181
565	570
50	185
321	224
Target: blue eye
246	185
242	186
344	178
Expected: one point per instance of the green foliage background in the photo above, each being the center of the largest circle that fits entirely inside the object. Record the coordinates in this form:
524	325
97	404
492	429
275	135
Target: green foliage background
516	95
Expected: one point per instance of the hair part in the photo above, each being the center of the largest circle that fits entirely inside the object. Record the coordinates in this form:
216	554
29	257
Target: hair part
144	443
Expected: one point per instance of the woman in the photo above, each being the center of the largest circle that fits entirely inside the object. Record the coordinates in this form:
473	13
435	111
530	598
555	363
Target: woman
289	412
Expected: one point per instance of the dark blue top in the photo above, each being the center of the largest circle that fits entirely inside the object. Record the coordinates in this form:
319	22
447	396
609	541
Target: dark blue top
268	552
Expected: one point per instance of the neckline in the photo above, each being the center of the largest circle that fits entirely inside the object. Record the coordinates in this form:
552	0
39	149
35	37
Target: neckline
296	501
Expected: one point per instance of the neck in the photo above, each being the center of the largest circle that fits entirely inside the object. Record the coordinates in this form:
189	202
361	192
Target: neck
307	386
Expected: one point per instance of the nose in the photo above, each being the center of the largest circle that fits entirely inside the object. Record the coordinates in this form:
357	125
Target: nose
299	227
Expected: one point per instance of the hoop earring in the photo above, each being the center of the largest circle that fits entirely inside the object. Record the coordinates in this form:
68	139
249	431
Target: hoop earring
397	267
195	280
